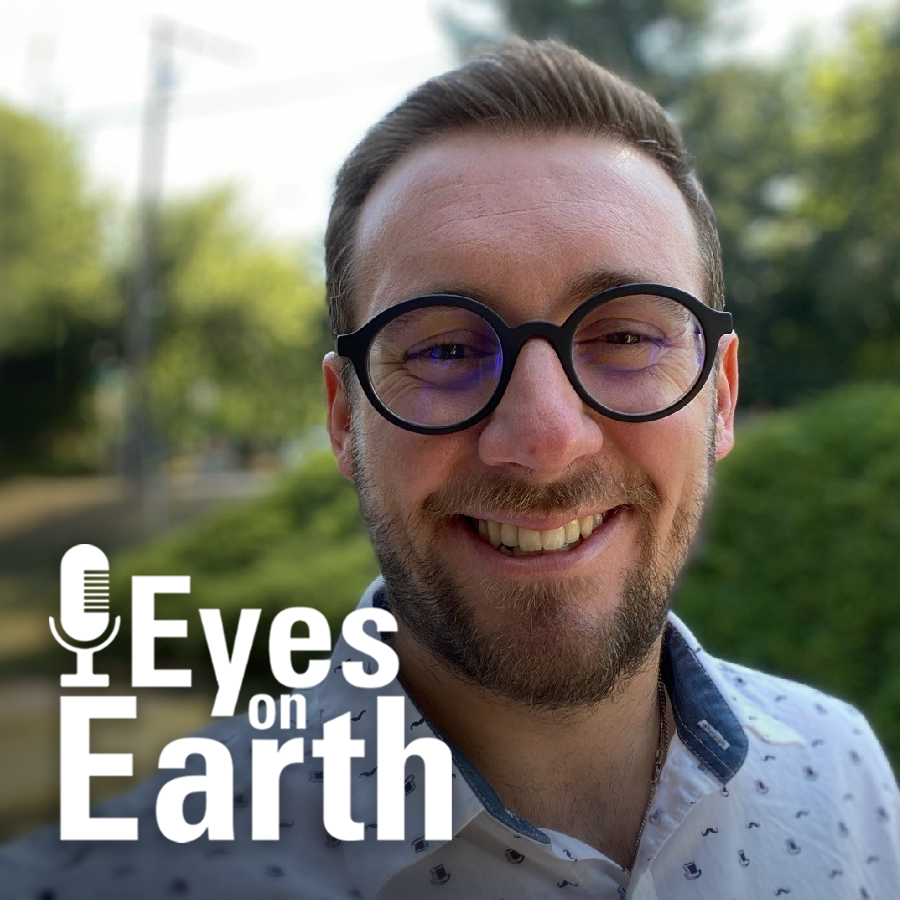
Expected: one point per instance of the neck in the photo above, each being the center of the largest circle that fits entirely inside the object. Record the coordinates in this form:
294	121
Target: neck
585	771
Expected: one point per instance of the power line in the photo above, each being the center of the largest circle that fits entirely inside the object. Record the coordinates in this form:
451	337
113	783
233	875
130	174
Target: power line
229	101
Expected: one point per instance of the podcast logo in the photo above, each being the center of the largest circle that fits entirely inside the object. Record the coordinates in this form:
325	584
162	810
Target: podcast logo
84	611
85	620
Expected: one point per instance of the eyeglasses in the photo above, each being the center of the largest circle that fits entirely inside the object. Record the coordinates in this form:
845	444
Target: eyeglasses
440	363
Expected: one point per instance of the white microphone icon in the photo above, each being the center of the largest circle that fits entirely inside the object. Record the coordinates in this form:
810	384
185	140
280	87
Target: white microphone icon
84	611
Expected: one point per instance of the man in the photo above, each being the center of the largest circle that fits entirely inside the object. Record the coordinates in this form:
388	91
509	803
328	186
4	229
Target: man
535	379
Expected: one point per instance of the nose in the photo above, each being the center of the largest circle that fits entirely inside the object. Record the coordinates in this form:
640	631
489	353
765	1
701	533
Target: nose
540	423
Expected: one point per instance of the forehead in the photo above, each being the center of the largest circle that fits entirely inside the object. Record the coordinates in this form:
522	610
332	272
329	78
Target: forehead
516	221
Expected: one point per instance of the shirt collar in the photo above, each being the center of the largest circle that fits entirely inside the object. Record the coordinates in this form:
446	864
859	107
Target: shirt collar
706	723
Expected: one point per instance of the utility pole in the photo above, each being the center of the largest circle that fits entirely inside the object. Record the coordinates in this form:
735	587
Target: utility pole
144	452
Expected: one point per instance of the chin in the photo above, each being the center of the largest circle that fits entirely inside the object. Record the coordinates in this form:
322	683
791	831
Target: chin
545	608
552	644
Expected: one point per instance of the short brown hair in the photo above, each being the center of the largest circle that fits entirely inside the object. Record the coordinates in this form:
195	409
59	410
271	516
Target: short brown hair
518	87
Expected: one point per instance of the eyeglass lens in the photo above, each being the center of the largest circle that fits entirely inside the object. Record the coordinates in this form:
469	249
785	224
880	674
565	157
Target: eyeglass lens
440	365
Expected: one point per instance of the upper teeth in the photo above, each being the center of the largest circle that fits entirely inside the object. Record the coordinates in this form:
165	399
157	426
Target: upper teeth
528	539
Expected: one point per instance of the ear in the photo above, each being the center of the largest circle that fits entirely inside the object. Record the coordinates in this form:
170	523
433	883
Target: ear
339	415
726	394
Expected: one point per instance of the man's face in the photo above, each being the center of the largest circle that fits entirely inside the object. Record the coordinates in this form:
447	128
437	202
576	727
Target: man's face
531	227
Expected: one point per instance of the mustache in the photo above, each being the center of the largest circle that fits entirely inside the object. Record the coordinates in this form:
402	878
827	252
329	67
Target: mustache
590	487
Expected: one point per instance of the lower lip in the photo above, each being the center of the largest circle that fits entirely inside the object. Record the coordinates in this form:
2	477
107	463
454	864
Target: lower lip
546	564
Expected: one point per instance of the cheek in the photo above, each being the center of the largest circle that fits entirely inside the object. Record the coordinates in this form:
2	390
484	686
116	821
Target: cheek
672	453
402	468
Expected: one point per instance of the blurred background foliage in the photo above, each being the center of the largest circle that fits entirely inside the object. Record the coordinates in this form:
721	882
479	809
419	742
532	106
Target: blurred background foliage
238	339
242	333
56	292
655	43
797	571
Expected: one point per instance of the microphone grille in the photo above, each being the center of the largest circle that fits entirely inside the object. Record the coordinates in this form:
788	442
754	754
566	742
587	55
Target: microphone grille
84	592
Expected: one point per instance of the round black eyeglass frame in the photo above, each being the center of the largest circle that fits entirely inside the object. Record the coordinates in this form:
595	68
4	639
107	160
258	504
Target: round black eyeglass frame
714	323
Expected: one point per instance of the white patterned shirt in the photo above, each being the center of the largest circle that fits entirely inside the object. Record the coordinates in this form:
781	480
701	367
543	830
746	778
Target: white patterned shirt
769	789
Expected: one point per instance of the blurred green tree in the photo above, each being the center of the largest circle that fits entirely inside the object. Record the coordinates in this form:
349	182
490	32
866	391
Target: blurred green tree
848	135
653	42
238	343
241	333
739	122
802	163
56	299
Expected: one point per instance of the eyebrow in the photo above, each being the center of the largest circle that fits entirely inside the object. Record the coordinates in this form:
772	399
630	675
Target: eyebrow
581	287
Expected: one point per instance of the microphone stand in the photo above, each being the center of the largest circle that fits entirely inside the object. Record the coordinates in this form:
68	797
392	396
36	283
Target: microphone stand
84	660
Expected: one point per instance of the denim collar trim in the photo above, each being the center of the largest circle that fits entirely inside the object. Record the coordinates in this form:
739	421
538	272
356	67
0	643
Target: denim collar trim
705	722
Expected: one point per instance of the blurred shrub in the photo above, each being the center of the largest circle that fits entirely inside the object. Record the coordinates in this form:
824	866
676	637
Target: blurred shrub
799	570
303	544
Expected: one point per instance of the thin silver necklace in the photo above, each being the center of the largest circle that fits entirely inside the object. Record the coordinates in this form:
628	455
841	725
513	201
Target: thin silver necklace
662	749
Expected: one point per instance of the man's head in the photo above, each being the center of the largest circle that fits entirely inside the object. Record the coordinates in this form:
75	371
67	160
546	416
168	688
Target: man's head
529	181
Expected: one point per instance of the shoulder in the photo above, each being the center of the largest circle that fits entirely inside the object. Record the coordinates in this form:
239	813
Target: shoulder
778	709
811	739
812	795
816	752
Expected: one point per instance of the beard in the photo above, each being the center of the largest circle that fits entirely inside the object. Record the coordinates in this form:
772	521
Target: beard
545	645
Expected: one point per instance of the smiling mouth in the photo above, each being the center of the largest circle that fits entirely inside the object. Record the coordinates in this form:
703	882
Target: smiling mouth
517	541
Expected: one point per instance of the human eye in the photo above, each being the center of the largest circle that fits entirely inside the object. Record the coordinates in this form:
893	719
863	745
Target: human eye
451	361
626	338
446	350
618	344
433	350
